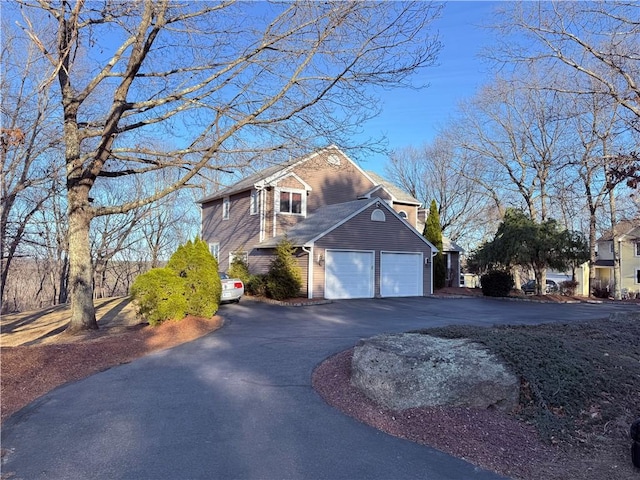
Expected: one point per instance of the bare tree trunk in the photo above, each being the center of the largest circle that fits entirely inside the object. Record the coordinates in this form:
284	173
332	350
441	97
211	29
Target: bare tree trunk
592	252
83	314
63	281
617	294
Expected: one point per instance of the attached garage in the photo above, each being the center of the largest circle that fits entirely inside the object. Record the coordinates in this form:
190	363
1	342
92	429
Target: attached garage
349	274
401	274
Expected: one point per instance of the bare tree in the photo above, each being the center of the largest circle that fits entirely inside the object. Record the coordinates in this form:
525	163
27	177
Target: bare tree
596	45
28	142
218	78
517	128
598	41
438	171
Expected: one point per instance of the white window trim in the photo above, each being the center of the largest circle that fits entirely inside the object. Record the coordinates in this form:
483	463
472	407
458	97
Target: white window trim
303	196
637	249
378	216
214	248
226	206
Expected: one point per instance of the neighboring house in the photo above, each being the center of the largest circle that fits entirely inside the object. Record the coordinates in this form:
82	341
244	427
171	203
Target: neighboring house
354	236
627	235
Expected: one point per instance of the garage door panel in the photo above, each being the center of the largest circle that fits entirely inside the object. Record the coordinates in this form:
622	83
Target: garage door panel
349	274
401	274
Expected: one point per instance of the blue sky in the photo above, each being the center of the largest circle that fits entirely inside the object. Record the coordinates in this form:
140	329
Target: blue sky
412	117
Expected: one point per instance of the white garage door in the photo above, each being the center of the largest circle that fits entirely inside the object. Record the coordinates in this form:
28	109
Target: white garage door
348	274
400	274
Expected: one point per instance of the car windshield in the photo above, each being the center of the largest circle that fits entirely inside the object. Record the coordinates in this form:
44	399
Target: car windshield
223	276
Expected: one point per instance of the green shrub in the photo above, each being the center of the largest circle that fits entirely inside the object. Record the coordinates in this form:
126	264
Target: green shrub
239	269
194	263
284	279
160	295
256	285
496	283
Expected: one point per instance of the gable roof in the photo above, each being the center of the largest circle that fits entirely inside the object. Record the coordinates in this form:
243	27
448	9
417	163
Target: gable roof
327	218
625	228
397	194
268	175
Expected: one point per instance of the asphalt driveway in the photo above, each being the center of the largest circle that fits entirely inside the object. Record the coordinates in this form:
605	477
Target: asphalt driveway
238	403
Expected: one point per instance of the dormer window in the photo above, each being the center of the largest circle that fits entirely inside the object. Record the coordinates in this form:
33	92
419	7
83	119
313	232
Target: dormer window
292	202
402	214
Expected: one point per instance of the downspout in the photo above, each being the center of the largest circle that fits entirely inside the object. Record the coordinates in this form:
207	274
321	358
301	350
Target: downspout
261	210
309	271
275	211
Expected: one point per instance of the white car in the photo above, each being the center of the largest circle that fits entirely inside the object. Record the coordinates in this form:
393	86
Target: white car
232	288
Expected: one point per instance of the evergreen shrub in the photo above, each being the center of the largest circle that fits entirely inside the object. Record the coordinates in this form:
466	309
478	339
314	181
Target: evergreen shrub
256	285
496	283
160	295
194	263
239	269
188	285
284	279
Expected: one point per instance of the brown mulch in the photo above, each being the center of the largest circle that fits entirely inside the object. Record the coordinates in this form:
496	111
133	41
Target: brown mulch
29	372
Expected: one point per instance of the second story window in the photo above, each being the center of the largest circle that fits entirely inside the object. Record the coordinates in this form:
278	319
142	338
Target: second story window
225	208
253	208
637	245
291	202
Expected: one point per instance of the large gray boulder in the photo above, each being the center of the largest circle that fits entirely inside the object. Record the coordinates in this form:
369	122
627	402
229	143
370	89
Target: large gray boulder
401	371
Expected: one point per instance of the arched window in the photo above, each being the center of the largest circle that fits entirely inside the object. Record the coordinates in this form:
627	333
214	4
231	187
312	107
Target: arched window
378	216
403	214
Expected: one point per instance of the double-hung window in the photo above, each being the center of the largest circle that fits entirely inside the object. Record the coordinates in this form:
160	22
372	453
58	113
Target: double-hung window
637	249
292	202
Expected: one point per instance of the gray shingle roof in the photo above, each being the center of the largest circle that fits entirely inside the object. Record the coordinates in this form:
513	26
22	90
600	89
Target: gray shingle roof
319	222
248	182
399	194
